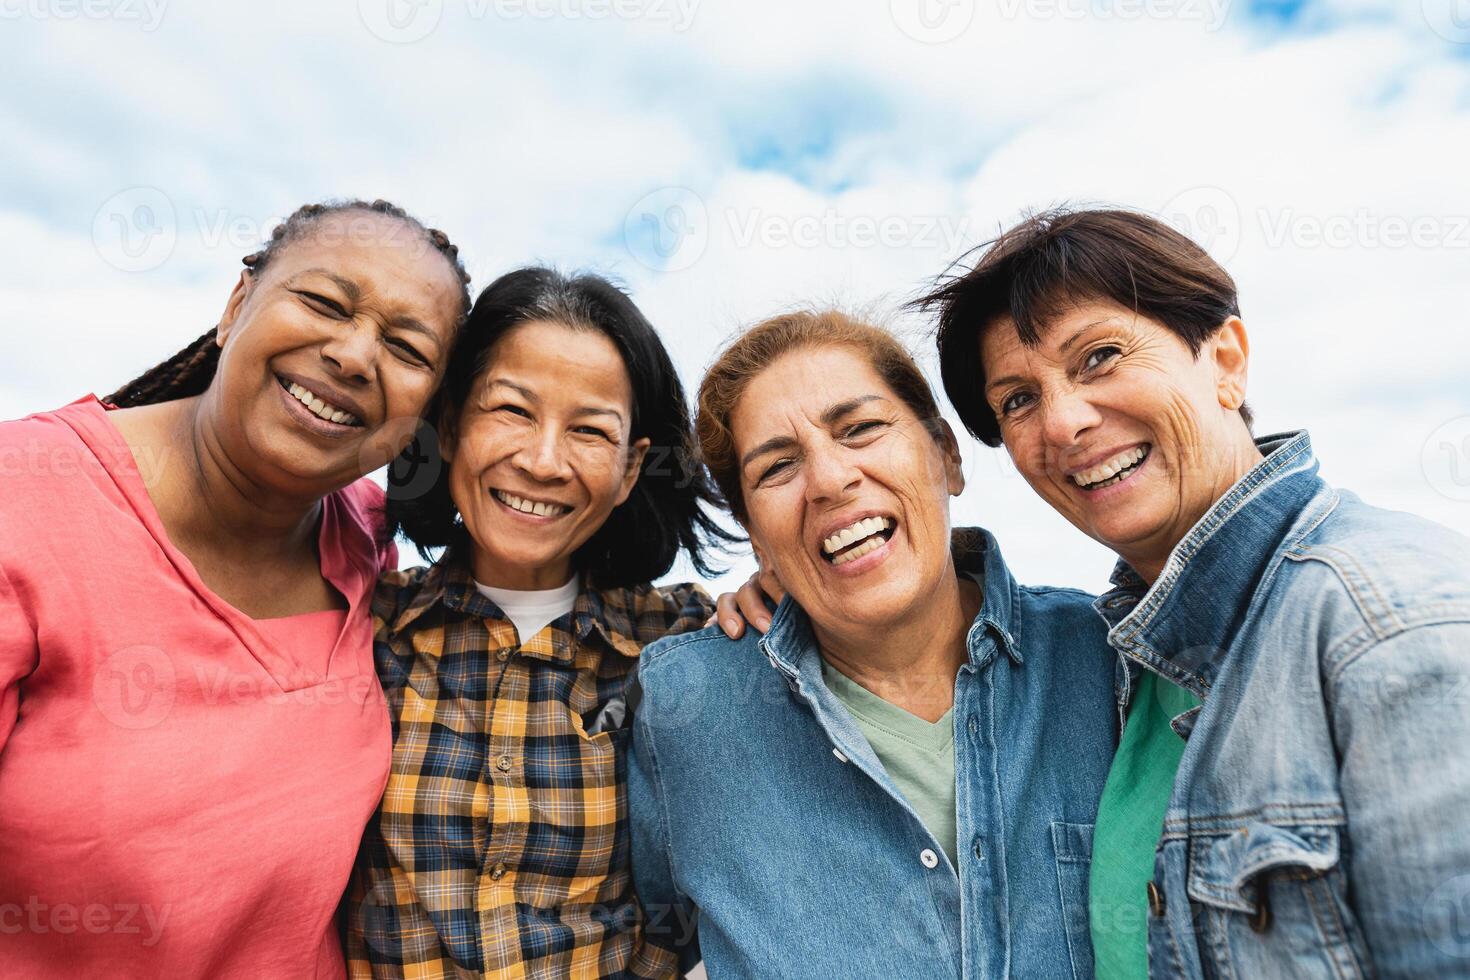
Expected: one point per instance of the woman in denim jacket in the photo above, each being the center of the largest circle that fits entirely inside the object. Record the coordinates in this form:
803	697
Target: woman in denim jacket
900	778
1294	662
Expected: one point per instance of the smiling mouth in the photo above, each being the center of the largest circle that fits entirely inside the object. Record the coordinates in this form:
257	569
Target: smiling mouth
536	508
325	411
1113	471
858	539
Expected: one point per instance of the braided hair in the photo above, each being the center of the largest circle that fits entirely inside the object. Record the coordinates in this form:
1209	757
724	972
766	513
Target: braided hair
190	371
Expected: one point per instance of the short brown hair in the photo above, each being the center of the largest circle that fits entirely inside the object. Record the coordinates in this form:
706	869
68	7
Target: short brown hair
1059	258
760	346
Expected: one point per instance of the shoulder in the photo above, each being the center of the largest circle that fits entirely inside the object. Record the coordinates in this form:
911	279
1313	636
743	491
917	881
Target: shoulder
395	591
705	652
1396	570
364	501
647	613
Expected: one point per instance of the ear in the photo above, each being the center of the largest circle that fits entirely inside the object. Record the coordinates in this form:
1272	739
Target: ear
636	452
1230	350
760	556
243	287
949	448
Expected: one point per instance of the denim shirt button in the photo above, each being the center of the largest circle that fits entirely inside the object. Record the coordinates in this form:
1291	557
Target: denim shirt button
928	858
1155	901
839	754
974	725
979	848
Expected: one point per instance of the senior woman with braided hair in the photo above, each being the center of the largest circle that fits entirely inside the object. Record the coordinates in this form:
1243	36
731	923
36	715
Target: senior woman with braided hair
191	733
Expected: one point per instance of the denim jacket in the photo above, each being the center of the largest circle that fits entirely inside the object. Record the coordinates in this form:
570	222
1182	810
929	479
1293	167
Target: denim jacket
761	816
1320	819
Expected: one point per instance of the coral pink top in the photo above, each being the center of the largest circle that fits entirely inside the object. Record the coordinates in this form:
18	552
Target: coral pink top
182	788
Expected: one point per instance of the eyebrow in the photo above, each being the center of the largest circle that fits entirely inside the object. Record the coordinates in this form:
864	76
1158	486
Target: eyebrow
535	399
354	293
829	417
1062	348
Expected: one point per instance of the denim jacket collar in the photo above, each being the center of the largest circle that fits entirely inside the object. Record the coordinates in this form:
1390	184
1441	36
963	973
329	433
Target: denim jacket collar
791	645
1181	626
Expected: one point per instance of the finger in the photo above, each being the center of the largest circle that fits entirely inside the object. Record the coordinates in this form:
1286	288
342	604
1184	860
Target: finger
751	601
728	613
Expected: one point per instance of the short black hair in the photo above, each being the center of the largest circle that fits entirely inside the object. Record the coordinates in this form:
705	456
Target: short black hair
666	510
1058	258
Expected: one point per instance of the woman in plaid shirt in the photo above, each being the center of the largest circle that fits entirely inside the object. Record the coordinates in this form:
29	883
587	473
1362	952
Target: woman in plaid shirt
558	489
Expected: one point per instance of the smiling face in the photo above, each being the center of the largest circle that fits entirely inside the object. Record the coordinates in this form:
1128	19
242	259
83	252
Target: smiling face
331	353
1119	426
542	452
846	491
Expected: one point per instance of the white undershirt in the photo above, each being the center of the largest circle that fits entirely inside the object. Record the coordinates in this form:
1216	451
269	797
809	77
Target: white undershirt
531	611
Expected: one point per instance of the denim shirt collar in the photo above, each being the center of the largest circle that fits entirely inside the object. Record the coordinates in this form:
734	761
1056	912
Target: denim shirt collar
791	645
1182	625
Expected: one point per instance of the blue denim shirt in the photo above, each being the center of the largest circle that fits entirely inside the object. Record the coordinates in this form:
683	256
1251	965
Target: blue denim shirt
761	815
1320	820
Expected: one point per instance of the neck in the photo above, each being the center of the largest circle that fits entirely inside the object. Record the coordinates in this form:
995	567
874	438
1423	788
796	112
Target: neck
911	664
1238	459
211	501
504	575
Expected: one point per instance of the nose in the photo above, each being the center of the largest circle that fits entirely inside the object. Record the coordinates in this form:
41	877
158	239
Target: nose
541	458
1066	417
831	473
351	351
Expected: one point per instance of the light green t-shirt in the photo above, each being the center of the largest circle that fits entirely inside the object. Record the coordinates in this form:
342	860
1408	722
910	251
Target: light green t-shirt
1130	819
918	755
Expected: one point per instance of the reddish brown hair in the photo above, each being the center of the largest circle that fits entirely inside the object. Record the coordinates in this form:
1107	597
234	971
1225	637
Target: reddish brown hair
768	341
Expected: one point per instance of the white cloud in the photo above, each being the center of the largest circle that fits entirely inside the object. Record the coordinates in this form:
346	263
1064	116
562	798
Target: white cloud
835	158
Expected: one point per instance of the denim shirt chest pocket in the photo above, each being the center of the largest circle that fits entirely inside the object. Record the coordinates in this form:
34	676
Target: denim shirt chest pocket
1072	846
1265	895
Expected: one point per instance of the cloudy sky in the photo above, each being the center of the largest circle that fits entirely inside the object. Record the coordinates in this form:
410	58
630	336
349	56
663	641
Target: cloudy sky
726	159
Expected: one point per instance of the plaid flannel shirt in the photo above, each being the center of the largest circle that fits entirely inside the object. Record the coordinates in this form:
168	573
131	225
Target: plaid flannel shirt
501	846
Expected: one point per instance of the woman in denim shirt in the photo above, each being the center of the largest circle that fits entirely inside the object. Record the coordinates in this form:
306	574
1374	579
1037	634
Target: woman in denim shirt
900	778
1291	790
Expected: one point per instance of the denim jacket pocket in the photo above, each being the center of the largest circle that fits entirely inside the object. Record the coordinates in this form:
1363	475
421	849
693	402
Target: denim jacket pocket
1072	843
1271	898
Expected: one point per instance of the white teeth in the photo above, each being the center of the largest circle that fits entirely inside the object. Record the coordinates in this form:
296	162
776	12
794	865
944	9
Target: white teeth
869	545
320	408
1110	468
855	532
536	507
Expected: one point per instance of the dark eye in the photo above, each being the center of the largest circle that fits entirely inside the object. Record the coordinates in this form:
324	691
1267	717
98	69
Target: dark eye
861	428
592	430
322	304
1097	357
513	410
1016	402
409	350
774	469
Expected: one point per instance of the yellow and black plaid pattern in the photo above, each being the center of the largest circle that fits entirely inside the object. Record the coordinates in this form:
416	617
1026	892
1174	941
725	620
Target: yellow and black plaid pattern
501	846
